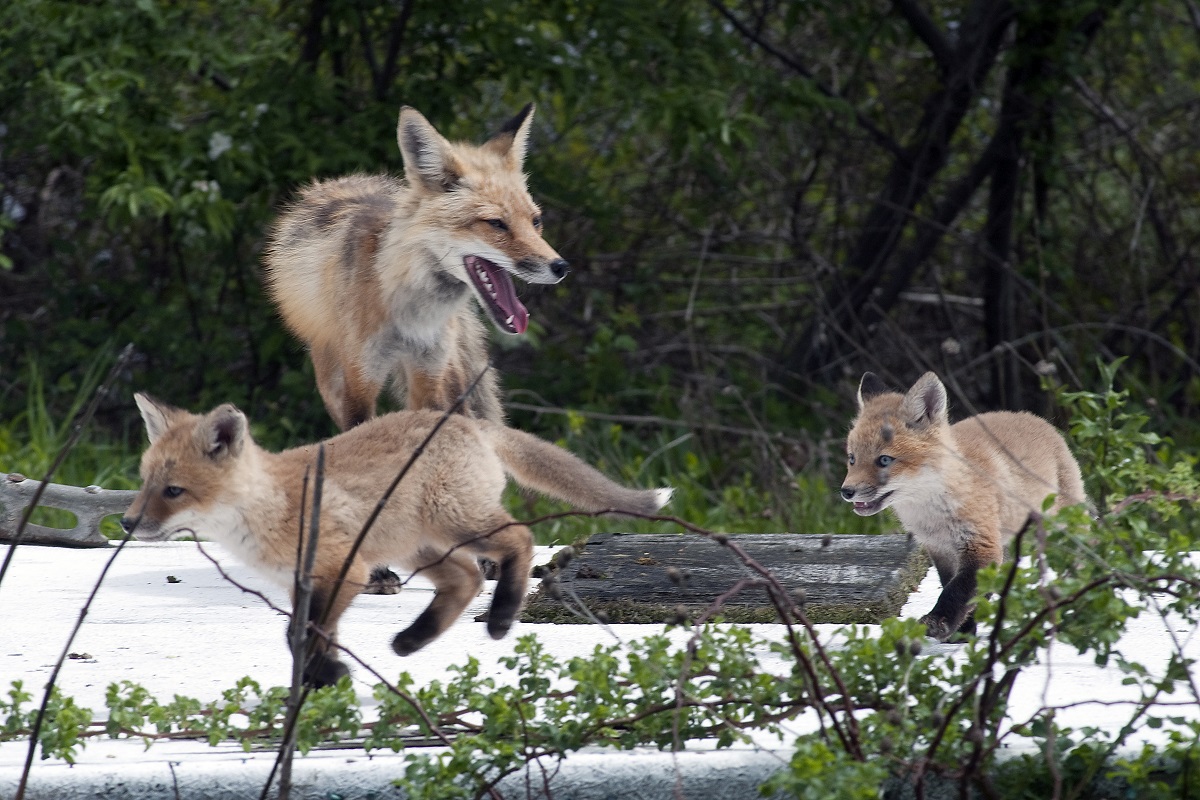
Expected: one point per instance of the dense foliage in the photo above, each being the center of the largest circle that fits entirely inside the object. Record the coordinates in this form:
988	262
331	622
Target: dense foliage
760	200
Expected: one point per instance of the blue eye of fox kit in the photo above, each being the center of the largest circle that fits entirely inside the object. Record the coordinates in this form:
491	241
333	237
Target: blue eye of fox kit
172	492
850	459
883	461
498	224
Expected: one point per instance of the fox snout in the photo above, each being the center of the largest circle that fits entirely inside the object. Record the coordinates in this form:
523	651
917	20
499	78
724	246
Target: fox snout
539	271
867	500
141	527
559	269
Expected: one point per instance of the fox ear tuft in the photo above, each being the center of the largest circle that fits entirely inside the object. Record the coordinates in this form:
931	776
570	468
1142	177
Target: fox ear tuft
925	403
512	140
157	416
223	433
870	386
428	159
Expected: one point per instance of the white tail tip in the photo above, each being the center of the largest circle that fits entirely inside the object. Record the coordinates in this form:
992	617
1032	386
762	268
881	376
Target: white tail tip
663	496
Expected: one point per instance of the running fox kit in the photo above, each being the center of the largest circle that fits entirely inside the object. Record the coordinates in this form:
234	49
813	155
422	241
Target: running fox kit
376	274
962	490
204	475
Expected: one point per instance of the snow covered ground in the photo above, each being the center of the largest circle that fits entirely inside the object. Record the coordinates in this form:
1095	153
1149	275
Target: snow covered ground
166	619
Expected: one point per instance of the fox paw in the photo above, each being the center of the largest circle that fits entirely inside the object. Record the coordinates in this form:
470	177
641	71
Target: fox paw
321	670
383	581
937	627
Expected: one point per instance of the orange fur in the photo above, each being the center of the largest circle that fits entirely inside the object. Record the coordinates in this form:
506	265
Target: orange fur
376	275
962	490
203	475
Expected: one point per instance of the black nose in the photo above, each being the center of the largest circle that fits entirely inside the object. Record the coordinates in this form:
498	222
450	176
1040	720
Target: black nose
128	524
847	492
560	267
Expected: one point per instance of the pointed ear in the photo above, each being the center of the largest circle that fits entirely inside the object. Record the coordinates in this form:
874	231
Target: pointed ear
223	432
870	386
429	161
512	139
157	416
925	403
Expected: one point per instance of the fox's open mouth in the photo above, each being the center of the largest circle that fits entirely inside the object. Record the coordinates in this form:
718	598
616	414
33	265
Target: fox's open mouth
873	507
500	298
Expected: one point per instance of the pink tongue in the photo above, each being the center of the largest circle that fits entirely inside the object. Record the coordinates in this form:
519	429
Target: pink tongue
506	299
500	296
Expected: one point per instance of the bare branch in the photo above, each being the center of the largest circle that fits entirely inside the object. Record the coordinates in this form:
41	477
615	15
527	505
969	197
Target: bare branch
881	138
927	32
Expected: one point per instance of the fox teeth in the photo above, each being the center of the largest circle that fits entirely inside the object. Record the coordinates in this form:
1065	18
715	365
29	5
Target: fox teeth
508	321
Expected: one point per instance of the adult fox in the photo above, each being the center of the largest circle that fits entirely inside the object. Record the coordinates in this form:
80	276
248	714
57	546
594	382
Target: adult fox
376	274
962	490
203	475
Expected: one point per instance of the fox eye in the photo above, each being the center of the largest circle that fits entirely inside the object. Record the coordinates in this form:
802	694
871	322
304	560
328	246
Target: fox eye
498	224
883	461
171	492
537	222
850	459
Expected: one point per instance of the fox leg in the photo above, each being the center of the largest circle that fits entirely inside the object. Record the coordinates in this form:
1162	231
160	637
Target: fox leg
321	664
428	391
457	580
954	610
348	394
511	549
946	563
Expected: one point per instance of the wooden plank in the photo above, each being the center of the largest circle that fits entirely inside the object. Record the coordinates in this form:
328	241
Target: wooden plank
626	577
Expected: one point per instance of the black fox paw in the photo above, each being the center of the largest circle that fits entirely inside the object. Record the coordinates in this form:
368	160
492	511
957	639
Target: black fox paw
321	670
937	627
383	581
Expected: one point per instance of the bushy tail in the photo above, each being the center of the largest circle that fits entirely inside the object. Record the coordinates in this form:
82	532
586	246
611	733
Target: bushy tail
551	470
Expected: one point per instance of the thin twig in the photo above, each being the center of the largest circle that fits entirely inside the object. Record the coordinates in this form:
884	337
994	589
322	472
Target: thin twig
412	459
298	632
41	715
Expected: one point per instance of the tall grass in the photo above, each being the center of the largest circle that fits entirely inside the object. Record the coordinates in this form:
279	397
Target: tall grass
31	440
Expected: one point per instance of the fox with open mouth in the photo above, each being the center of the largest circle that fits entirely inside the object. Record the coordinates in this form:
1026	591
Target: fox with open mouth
963	490
376	274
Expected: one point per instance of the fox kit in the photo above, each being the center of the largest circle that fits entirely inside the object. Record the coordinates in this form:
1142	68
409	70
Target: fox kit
376	274
962	490
204	475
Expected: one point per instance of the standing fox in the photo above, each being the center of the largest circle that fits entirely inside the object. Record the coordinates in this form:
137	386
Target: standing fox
375	274
204	475
962	490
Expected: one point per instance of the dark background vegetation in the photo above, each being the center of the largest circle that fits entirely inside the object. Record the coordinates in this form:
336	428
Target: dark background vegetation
760	200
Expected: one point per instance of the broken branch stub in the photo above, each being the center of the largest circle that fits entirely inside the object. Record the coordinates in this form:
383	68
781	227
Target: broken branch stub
89	504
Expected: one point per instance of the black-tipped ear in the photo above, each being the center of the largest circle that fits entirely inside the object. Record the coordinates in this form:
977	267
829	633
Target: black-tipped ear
157	416
223	432
870	386
925	403
428	158
512	139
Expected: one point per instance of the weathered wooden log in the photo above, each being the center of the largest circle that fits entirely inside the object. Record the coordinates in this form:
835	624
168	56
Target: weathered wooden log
646	577
89	504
